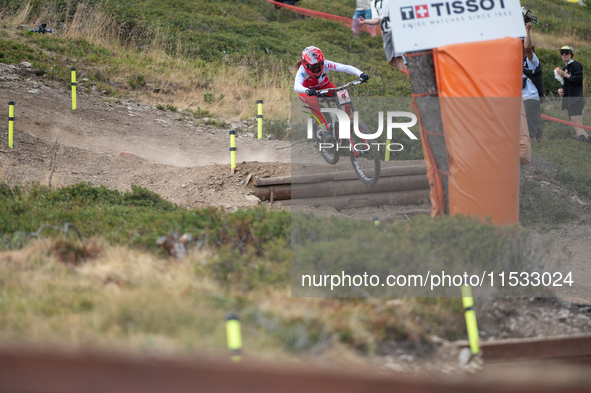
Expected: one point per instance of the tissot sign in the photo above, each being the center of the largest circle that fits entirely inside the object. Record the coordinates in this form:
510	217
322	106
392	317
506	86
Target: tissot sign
423	24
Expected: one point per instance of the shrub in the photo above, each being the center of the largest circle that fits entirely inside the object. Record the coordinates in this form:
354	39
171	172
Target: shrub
278	129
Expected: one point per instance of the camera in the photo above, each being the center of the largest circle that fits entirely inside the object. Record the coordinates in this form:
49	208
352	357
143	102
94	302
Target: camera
528	17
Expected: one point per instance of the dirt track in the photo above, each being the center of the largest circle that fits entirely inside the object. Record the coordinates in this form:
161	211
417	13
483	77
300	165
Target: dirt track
119	143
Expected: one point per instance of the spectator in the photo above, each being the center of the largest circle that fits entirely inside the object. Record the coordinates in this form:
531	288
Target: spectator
524	148
288	2
363	10
529	91
536	77
572	90
381	16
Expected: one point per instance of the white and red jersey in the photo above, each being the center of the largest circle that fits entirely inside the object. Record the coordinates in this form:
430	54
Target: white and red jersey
304	81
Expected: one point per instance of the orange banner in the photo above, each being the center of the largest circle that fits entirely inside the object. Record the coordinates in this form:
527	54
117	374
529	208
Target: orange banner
481	112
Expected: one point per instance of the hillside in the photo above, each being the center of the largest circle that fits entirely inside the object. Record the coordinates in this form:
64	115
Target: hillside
146	155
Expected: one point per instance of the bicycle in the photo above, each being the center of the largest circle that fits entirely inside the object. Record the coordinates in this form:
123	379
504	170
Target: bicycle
365	157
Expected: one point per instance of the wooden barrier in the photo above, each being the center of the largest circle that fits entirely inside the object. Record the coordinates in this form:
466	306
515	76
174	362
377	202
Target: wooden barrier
345	175
343	187
400	185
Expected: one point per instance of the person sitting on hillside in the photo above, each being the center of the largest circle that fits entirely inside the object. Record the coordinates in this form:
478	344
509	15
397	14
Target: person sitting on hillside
311	75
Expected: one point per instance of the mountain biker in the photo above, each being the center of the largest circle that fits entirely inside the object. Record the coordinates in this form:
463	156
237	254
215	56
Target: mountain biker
311	76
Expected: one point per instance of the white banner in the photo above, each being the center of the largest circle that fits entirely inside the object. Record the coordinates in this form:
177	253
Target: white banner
427	24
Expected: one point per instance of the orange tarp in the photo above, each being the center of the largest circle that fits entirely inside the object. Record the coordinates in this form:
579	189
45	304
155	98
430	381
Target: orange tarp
480	97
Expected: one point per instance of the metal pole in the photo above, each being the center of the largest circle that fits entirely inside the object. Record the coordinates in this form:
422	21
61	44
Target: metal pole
10	122
73	74
260	117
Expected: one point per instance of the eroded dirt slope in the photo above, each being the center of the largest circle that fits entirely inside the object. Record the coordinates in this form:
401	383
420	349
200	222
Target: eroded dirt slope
119	143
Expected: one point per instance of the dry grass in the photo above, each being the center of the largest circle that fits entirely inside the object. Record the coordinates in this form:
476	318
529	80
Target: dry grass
124	299
22	15
553	41
121	299
232	88
93	25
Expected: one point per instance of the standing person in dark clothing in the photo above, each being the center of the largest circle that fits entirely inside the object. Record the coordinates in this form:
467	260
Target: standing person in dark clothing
572	90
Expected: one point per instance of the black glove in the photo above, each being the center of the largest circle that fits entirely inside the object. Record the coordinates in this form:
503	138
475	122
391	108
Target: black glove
364	77
311	92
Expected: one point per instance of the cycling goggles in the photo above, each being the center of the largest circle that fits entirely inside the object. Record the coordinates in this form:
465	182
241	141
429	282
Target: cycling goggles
565	52
315	68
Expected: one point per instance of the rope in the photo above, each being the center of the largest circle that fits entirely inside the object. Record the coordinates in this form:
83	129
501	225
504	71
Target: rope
568	123
348	22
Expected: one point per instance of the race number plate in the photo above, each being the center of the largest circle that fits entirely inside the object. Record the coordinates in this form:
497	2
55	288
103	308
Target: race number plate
344	97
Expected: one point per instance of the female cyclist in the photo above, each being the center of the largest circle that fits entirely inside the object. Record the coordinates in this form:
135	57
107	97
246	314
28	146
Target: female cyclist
311	76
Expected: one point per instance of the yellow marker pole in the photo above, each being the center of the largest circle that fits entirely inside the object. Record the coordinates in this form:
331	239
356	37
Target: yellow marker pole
470	319
73	72
10	122
388	150
234	337
232	150
376	221
260	117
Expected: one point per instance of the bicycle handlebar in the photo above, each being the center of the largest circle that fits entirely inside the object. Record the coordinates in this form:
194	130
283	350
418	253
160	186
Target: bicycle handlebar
322	92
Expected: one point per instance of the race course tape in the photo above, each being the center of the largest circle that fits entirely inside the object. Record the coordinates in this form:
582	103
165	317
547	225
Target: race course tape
568	123
316	14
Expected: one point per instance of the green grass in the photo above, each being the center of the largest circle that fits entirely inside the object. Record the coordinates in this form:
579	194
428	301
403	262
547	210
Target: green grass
573	161
136	218
571	158
108	288
539	206
227	31
278	129
332	245
252	30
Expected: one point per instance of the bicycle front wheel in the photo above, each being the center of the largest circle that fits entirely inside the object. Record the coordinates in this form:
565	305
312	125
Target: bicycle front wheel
329	151
365	156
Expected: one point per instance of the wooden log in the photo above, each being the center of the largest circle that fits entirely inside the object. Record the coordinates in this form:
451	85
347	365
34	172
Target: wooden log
412	197
345	175
280	192
347	187
344	187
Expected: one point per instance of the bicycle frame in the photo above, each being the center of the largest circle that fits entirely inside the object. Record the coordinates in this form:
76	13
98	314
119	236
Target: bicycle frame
348	107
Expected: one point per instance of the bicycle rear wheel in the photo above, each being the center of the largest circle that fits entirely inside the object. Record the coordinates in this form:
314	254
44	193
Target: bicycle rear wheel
365	157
